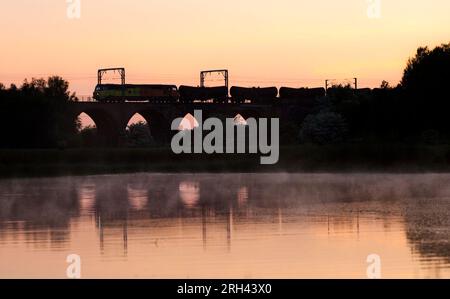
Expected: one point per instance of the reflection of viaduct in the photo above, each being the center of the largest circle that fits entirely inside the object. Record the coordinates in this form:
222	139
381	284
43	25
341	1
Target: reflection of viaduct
111	119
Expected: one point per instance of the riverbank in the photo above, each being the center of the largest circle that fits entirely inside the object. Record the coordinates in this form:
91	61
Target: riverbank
304	158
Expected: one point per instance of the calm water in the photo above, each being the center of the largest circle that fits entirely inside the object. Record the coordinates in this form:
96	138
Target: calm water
226	226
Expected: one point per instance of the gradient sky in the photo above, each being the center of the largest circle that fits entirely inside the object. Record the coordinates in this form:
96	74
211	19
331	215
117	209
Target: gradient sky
261	42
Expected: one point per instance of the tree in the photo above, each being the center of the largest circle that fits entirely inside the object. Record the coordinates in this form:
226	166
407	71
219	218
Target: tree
385	85
324	128
89	137
425	80
57	87
429	70
138	135
37	114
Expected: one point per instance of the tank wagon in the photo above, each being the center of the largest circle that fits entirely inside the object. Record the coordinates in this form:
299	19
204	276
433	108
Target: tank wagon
189	94
304	96
255	95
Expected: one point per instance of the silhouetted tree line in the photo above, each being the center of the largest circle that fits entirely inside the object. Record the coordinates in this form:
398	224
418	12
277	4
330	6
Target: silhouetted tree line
139	135
415	111
35	115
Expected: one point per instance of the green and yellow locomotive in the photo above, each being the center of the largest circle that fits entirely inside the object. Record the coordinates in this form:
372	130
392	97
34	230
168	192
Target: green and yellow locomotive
136	93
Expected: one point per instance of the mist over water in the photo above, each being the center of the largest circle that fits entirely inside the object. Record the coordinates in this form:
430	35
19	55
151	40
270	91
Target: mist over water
226	225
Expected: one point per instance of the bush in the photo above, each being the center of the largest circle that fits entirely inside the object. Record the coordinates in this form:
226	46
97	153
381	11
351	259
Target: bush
326	127
139	135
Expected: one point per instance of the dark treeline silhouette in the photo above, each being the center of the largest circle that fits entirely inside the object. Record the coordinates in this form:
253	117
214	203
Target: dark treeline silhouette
35	115
415	111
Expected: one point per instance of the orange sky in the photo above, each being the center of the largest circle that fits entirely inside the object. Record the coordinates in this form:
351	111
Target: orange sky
261	42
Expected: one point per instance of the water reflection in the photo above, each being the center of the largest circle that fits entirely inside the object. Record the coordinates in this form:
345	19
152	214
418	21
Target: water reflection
189	193
242	196
137	196
87	198
237	225
44	212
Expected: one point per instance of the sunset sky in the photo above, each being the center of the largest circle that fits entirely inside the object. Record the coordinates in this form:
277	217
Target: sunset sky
261	42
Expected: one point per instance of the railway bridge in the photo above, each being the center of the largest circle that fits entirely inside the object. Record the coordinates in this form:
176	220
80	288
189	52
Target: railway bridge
112	119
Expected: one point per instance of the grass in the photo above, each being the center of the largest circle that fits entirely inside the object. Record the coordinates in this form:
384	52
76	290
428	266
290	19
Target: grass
301	158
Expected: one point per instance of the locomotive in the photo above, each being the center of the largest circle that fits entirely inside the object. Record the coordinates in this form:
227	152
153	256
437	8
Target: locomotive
155	93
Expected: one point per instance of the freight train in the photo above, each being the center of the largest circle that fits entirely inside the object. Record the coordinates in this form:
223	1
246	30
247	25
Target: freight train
303	96
188	94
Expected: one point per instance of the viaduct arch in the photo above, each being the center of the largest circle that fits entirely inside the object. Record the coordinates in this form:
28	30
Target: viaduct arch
112	118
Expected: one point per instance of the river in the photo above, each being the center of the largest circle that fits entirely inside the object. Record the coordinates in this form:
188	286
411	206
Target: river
226	225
